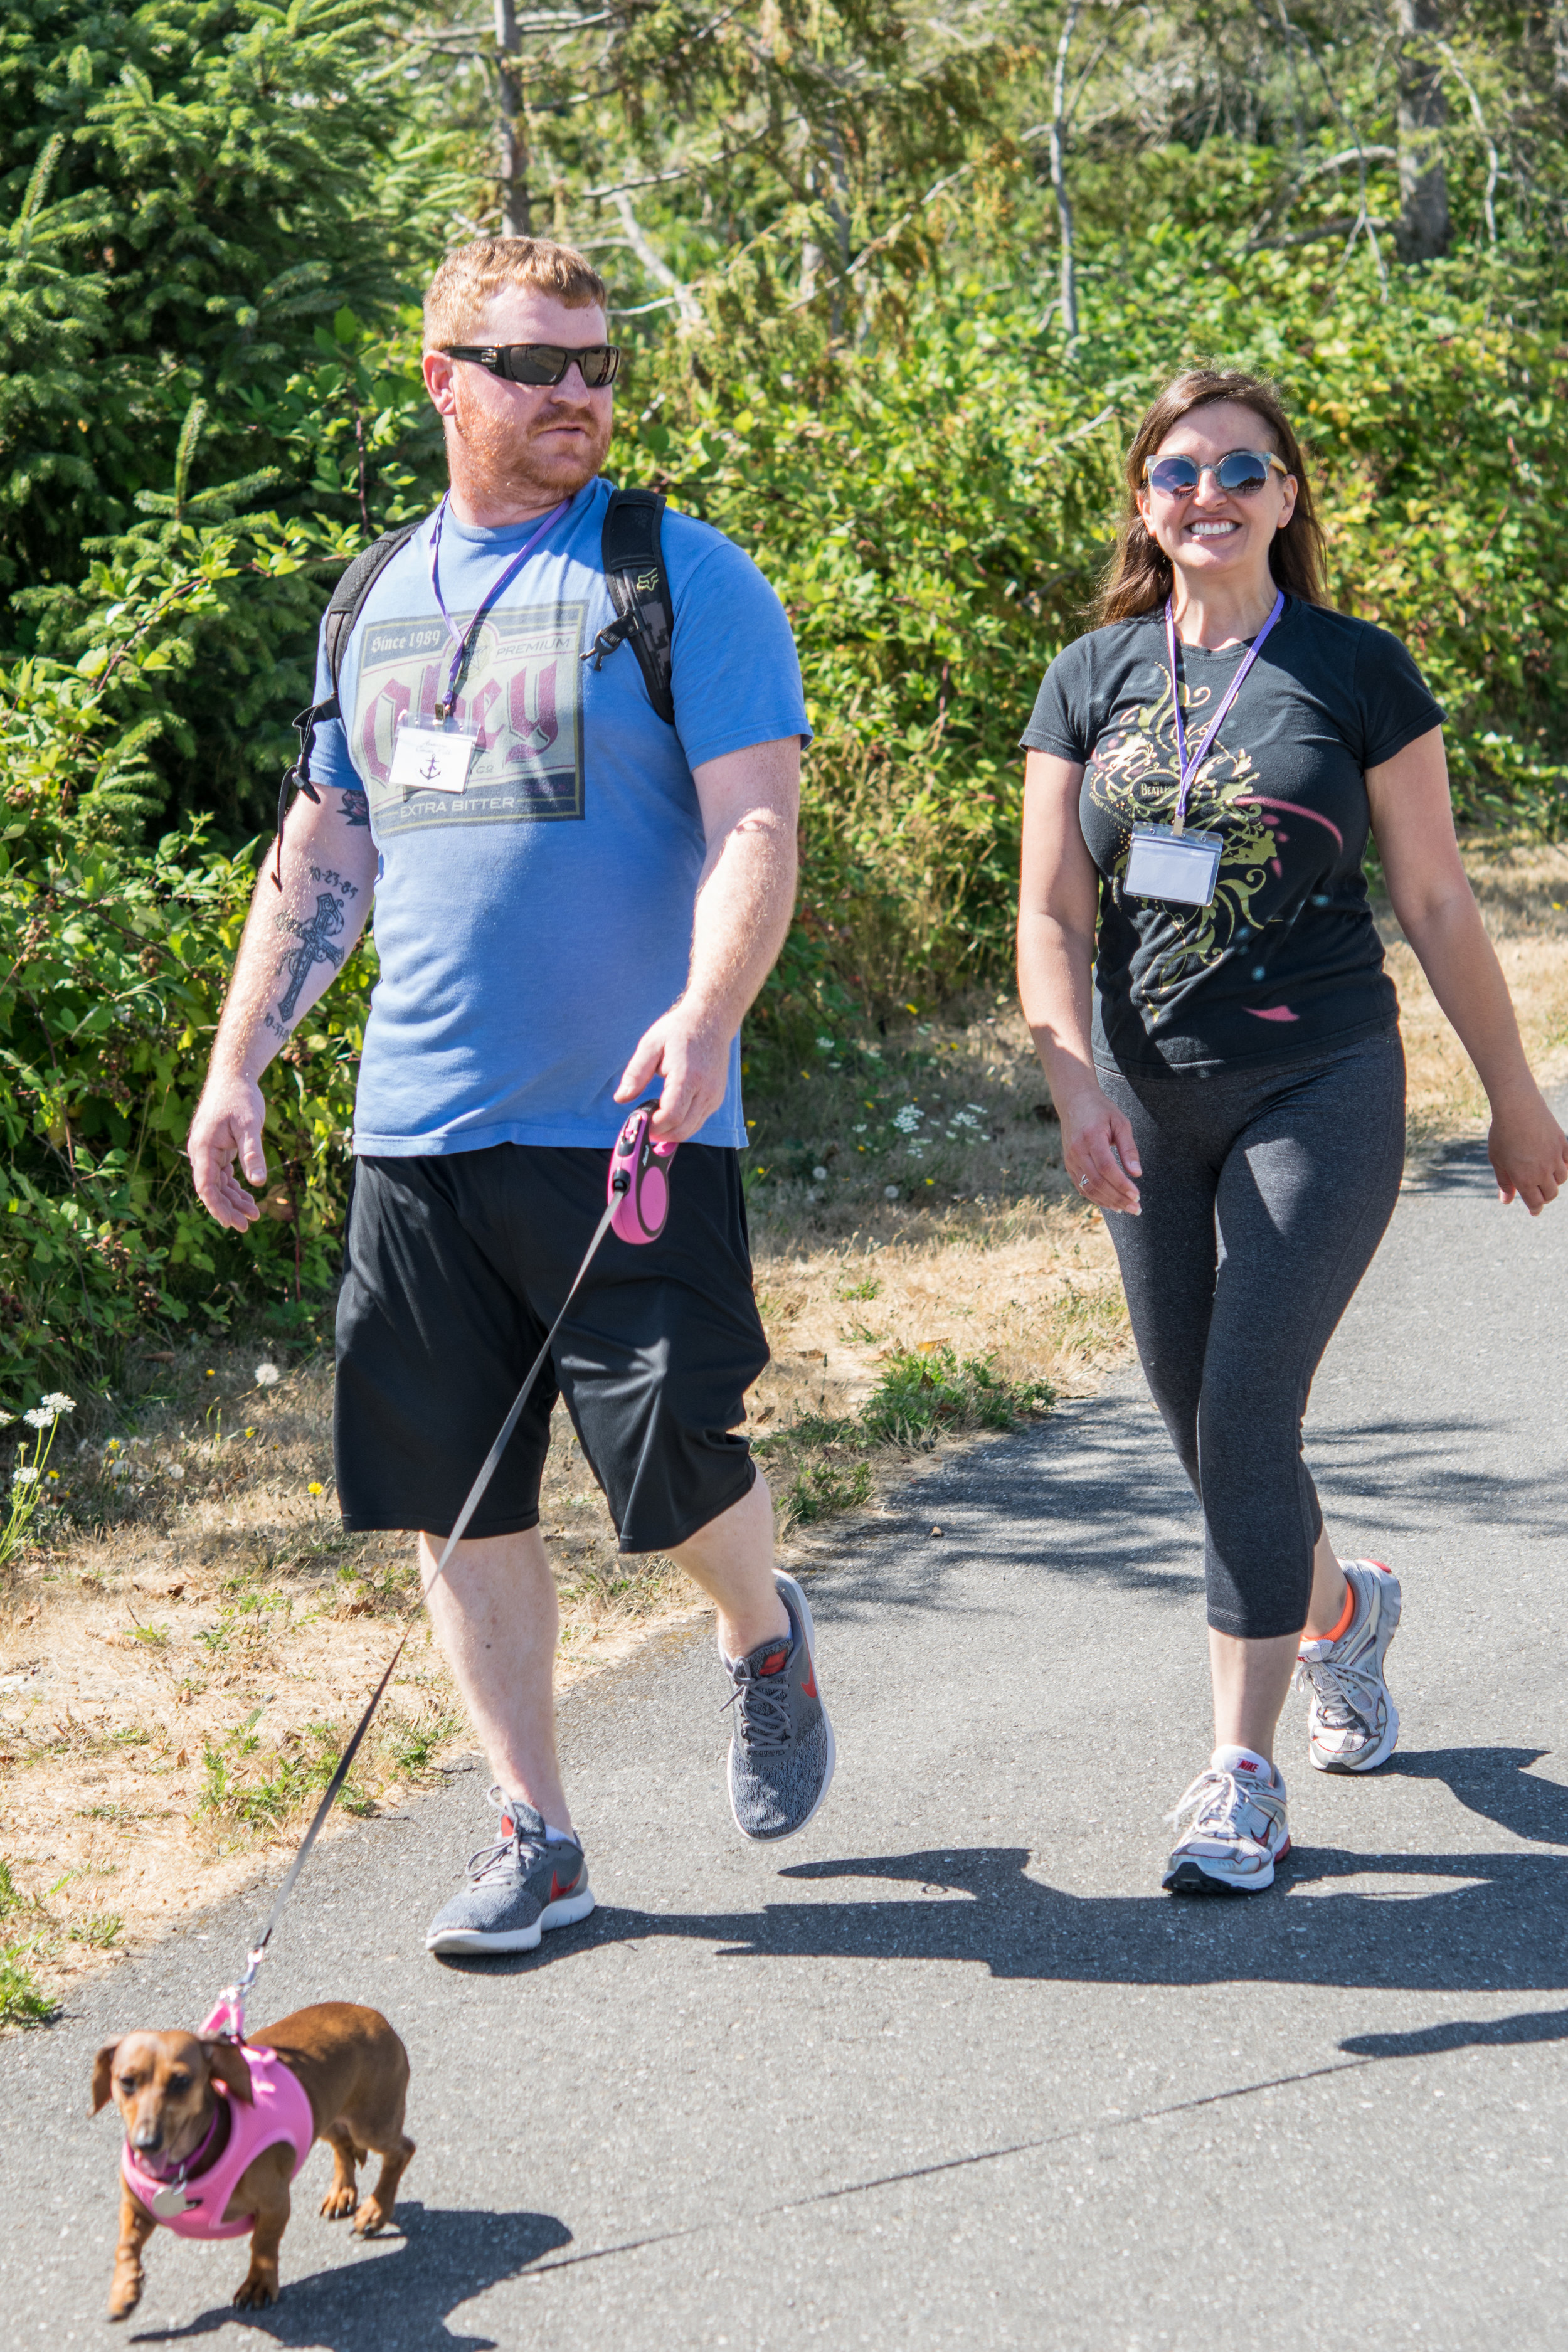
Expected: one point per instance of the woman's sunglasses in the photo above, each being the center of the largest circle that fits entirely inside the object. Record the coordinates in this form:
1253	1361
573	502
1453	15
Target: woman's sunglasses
1239	471
541	363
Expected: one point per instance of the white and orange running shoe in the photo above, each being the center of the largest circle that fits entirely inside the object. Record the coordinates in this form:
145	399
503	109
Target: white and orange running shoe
1230	1826
1352	1723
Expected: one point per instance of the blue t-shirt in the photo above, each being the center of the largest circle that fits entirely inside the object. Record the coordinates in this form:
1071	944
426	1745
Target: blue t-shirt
531	928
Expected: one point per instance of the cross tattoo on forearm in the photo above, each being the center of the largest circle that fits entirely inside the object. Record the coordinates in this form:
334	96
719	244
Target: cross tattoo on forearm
325	924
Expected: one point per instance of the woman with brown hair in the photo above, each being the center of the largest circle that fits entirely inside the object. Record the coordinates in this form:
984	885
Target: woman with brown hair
1200	970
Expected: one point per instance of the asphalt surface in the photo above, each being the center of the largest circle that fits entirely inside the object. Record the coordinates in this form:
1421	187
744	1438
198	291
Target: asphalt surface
948	2070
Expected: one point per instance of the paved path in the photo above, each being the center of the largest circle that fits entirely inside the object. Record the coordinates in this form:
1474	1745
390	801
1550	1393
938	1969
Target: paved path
948	2070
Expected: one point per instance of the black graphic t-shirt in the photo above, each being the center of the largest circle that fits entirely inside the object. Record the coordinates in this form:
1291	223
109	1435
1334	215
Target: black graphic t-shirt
1286	960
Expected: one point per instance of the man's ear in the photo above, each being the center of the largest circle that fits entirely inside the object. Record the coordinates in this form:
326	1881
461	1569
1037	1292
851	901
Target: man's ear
227	2062
103	2075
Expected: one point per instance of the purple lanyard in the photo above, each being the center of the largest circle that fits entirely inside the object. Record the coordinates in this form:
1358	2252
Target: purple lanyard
1188	769
448	701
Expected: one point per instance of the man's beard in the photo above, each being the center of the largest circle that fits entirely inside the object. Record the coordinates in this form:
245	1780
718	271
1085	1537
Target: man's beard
513	467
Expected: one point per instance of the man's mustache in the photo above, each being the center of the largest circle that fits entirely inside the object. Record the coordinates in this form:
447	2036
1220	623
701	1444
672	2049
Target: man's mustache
547	420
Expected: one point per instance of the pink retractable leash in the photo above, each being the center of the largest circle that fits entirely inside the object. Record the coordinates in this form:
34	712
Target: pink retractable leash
638	1185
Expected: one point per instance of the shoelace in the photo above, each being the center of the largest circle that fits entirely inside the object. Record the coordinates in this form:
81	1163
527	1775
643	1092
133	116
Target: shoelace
764	1708
1328	1683
497	1860
1215	1799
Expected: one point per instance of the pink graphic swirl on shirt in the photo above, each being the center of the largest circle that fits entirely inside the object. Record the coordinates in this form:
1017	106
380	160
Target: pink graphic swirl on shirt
1263	799
1271	1012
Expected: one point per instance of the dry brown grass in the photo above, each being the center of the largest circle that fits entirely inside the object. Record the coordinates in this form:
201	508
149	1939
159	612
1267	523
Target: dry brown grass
1524	894
181	1658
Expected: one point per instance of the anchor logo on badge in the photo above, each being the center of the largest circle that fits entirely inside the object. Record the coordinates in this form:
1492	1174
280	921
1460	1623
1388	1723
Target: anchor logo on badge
431	768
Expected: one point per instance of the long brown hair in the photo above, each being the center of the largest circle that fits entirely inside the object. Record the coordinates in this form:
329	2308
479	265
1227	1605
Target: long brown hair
1137	577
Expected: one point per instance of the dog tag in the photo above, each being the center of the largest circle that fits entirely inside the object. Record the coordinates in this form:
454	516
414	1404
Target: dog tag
431	759
171	2201
1180	867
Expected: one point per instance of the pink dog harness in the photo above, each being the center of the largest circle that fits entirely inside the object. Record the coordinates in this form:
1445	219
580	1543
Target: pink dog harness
278	2110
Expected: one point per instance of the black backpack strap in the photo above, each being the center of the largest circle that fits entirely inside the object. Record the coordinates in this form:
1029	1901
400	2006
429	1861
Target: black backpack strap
633	557
347	603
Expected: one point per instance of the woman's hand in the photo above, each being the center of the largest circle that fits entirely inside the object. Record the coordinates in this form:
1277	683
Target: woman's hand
1528	1150
1099	1152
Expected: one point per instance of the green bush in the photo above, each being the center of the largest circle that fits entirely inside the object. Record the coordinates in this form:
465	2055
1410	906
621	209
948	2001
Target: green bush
935	510
113	960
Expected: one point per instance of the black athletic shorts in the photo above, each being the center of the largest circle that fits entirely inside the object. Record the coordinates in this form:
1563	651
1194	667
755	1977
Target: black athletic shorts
454	1270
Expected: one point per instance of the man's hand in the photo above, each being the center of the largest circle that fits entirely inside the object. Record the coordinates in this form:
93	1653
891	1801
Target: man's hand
228	1124
692	1056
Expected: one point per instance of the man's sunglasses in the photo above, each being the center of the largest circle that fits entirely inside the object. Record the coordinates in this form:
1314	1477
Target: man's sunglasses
1239	471
541	363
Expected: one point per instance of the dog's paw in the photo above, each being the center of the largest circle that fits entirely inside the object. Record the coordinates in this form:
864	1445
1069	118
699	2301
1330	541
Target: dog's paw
255	2293
338	2201
124	2298
370	2218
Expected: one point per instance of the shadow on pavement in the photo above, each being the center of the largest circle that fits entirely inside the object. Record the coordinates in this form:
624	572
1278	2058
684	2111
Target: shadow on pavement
1459	1168
401	2297
1497	1783
1095	1497
1463	2033
1503	1927
1383	1469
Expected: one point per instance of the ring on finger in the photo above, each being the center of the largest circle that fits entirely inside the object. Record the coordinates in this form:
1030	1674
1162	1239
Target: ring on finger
1083	1183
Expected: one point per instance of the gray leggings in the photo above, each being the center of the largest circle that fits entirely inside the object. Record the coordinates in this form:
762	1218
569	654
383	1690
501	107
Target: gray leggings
1264	1195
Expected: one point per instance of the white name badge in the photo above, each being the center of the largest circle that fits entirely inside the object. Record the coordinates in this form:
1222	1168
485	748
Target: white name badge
1178	866
430	759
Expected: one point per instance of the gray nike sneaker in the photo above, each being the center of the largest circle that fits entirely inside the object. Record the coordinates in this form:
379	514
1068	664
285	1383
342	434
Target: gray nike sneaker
1352	1723
782	1754
516	1889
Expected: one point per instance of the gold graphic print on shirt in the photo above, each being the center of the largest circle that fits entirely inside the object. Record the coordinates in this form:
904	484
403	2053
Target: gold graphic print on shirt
1133	778
521	697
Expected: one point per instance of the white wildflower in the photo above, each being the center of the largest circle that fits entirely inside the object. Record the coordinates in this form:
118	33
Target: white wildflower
826	1045
39	1417
979	1107
268	1376
23	1477
860	1127
819	1175
57	1403
889	1192
907	1119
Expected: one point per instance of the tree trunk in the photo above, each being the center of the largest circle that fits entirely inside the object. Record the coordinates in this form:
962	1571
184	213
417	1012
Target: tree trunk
511	141
1058	173
1424	226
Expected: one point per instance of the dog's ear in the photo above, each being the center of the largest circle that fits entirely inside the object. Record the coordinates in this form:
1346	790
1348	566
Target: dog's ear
227	2062
103	2075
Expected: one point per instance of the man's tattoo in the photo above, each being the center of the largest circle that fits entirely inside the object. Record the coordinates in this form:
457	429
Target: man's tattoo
325	924
354	807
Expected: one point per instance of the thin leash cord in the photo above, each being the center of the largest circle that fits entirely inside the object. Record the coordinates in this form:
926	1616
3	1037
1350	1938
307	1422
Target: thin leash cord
235	1996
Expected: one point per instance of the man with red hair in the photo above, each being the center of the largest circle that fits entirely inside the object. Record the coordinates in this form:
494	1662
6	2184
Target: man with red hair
576	900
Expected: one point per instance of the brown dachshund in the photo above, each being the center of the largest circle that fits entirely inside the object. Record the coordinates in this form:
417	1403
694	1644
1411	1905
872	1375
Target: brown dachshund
334	2072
